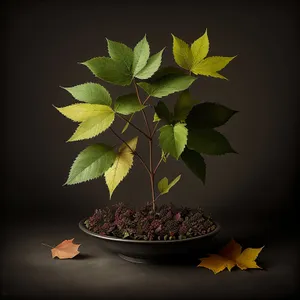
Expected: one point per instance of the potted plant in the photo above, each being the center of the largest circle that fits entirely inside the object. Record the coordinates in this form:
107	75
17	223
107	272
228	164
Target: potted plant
185	134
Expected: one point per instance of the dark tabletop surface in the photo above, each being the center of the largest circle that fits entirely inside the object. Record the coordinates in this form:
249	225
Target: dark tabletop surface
29	270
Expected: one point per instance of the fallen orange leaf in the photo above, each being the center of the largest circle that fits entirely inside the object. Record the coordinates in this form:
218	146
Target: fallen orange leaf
66	249
229	256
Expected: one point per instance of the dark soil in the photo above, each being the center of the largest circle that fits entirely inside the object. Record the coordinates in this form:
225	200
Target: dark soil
167	223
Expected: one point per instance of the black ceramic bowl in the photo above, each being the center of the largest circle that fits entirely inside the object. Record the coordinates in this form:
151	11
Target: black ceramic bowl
139	251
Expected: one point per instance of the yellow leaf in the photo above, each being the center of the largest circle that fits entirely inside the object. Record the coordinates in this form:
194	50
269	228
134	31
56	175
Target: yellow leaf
94	125
214	262
247	259
230	256
200	48
123	162
182	53
81	112
211	65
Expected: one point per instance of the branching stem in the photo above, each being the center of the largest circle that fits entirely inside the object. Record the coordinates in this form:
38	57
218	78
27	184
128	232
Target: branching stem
154	129
158	164
134	152
130	123
144	115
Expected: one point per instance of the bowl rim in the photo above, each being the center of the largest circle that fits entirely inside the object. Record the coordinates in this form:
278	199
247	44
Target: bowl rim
115	239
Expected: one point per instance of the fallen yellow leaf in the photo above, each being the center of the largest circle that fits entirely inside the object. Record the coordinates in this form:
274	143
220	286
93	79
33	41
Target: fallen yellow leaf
247	259
230	256
216	263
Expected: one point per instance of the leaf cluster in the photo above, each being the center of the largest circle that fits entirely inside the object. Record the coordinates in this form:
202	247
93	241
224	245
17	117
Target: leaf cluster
186	133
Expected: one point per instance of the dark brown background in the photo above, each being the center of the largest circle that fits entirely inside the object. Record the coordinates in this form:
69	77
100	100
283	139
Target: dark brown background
253	192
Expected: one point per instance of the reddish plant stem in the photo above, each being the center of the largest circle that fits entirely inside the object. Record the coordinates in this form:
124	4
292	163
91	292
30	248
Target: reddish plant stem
143	113
146	99
158	164
134	152
151	173
154	129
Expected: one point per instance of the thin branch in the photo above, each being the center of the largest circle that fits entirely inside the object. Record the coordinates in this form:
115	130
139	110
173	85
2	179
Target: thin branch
158	164
157	197
146	99
130	123
134	152
144	115
154	129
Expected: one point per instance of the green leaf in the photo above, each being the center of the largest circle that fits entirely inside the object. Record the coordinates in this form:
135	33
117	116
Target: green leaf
128	104
126	234
91	93
156	118
162	112
91	163
120	52
195	162
122	164
141	54
94	125
83	111
200	48
209	115
174	181
183	106
163	185
182	53
127	124
167	85
211	65
109	70
164	72
208	141
151	67
173	139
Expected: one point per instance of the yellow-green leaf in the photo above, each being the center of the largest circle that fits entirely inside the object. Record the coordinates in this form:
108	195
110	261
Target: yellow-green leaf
164	186
182	53
127	124
123	162
94	125
211	65
200	48
82	111
156	118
